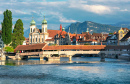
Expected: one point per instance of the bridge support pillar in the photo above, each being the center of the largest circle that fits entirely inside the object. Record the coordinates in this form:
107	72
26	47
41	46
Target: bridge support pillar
17	57
41	58
102	55
3	57
70	58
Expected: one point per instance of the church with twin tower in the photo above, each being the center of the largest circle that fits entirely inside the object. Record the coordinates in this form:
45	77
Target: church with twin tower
41	35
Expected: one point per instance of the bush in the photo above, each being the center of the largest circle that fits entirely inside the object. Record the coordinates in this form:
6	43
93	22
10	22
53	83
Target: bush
9	49
87	44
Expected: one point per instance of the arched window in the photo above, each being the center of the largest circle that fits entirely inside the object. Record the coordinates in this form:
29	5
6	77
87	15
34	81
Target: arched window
36	39
31	29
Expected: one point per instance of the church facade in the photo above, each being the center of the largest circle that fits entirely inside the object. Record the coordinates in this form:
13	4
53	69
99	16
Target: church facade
41	35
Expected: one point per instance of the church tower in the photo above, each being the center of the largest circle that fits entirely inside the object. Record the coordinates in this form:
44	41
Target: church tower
44	30
44	26
32	26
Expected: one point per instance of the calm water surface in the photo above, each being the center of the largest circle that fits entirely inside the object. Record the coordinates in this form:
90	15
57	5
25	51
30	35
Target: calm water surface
86	70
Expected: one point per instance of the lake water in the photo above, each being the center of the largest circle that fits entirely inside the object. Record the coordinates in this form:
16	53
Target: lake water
86	70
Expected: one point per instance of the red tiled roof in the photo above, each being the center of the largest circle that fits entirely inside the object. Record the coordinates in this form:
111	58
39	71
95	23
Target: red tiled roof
74	47
96	34
125	28
62	33
52	33
30	47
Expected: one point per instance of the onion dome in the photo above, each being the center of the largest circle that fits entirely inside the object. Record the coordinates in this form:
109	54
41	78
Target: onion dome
32	22
63	29
44	21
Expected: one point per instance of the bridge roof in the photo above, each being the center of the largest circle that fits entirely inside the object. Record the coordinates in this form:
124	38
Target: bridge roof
74	47
118	47
30	47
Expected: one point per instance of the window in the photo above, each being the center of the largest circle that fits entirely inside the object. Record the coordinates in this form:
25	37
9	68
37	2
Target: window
39	40
45	29
36	39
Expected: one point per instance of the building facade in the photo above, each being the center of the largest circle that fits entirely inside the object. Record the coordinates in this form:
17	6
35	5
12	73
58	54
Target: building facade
41	35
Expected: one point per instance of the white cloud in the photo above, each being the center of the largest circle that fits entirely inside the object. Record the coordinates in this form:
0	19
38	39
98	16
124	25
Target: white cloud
0	26
61	17
109	0
67	21
124	10
98	9
21	12
1	12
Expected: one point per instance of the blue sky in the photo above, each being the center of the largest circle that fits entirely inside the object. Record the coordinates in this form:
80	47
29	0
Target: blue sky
66	11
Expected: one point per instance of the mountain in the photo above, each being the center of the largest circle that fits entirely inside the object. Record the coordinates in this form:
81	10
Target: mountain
26	33
122	24
79	27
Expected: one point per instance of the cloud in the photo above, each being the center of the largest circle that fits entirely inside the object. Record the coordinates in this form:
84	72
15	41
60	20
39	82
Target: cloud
124	10
21	12
1	12
61	17
67	21
109	0
0	26
66	11
98	9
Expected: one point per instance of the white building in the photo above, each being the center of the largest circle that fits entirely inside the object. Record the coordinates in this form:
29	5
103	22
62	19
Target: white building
41	35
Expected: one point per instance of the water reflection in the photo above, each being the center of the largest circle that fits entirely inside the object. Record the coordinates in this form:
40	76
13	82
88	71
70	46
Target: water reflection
89	69
78	71
75	60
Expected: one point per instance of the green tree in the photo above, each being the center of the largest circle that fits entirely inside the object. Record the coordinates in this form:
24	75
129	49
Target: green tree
7	27
87	44
18	32
9	49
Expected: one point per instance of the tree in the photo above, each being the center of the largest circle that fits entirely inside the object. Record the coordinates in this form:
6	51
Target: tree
7	27
9	49
87	44
17	37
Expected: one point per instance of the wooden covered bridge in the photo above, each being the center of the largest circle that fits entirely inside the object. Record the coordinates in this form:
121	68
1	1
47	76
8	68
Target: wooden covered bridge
43	50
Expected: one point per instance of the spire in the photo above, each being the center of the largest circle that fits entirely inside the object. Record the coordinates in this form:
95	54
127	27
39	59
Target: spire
87	30
60	27
69	30
44	21
32	22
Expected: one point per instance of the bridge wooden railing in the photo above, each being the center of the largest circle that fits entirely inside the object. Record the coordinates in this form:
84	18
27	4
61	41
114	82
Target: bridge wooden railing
73	52
84	52
30	53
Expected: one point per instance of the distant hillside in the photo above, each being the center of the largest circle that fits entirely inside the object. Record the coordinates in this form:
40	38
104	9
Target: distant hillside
122	24
93	27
